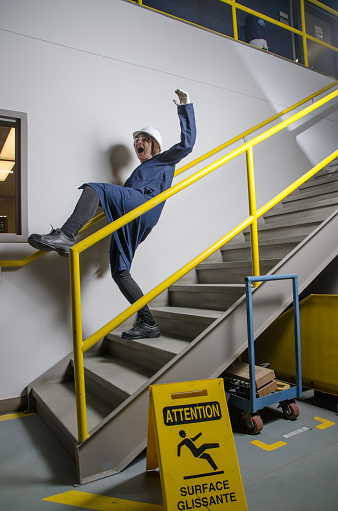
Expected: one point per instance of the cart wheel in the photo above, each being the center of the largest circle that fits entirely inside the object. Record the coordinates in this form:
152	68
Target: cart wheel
254	425
290	410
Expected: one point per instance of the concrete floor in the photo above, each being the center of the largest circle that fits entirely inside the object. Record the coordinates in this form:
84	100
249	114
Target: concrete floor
301	475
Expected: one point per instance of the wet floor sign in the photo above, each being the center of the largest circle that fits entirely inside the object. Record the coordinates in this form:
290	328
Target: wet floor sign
190	439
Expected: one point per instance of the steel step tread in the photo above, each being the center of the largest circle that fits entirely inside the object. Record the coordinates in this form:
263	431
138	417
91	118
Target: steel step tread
59	398
316	219
236	264
329	170
205	295
165	346
301	207
319	181
264	243
186	313
119	375
307	195
210	288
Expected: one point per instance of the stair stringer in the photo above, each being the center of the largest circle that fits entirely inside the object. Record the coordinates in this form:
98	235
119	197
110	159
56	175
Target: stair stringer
122	435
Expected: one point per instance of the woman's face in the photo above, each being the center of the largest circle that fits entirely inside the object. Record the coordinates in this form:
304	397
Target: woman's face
143	147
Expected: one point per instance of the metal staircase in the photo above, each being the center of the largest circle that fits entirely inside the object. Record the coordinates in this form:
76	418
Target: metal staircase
203	325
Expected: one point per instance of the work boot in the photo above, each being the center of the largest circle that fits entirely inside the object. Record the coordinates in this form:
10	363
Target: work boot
142	330
55	240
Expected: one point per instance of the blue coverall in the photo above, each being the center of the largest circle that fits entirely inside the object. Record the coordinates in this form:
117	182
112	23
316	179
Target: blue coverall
146	181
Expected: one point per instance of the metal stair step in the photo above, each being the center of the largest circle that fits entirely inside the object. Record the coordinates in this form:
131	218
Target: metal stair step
115	376
270	248
151	354
203	296
302	210
231	272
330	169
183	322
316	182
56	403
189	314
287	227
327	192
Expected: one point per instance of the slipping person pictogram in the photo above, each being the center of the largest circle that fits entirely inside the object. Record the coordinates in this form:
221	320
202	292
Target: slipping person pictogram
197	452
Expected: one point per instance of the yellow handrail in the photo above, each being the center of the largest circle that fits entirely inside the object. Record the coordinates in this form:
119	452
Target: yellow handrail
101	216
21	262
80	346
132	309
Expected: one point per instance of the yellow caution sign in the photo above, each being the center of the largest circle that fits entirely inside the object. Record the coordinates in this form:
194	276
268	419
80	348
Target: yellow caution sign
190	439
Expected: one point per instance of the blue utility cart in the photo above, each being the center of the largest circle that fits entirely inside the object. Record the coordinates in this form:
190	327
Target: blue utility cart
285	397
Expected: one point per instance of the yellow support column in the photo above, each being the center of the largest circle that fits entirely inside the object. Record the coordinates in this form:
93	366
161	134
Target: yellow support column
234	19
253	213
302	10
74	261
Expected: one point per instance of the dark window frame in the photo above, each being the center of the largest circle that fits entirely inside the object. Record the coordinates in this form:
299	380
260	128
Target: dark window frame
19	121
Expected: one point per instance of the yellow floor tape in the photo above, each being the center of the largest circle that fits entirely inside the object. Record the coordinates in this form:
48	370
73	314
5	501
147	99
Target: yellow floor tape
267	447
100	503
17	415
325	423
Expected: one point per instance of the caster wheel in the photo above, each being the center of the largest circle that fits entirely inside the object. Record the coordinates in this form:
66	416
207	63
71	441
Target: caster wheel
290	410
255	425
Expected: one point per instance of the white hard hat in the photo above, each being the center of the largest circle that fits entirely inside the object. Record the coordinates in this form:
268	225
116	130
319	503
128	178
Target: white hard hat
152	132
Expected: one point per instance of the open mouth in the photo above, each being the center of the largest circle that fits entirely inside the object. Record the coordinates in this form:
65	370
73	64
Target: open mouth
140	150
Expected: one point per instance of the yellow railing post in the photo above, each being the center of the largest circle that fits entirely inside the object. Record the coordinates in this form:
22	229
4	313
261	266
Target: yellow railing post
234	19
253	213
74	262
302	12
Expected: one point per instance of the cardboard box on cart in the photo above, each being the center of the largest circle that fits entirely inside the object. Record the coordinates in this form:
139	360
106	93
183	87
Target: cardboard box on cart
263	375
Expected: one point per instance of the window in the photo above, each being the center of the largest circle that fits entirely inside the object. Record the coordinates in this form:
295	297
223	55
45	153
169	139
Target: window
13	176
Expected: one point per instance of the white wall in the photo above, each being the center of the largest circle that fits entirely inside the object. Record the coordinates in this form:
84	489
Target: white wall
88	73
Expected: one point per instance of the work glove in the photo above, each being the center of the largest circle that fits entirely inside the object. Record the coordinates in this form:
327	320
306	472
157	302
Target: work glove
182	96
